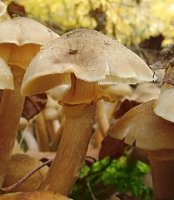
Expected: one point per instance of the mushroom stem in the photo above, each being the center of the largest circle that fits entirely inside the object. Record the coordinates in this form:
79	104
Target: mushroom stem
72	148
41	133
10	111
163	177
104	113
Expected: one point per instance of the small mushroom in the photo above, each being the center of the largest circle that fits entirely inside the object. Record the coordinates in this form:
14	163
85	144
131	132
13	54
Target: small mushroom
147	131
105	109
20	40
36	195
19	166
89	59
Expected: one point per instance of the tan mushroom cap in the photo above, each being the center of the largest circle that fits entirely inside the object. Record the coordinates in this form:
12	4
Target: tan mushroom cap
6	76
22	30
90	55
3	8
146	92
25	33
36	195
118	90
140	126
164	105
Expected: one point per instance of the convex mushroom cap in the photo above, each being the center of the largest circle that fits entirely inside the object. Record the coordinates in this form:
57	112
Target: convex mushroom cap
6	76
90	55
21	38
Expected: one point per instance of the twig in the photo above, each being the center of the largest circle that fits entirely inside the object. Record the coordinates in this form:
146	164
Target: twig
91	192
20	181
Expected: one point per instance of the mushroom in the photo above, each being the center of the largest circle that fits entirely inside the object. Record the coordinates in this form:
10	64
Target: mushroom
20	40
6	76
164	104
105	109
36	195
141	127
20	165
89	59
53	117
41	132
146	92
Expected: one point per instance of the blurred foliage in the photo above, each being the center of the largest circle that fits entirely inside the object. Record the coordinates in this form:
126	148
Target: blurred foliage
129	21
107	177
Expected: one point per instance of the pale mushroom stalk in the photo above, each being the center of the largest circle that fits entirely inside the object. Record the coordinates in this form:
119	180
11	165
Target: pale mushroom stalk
10	111
73	144
41	133
53	135
104	114
51	132
79	107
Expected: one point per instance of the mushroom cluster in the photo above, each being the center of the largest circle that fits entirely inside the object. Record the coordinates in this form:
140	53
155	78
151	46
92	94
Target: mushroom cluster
86	59
20	40
88	69
154	135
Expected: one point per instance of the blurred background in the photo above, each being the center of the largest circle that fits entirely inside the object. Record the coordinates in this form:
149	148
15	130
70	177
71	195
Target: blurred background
146	27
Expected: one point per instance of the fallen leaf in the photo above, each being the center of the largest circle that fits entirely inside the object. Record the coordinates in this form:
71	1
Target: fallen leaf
111	147
34	105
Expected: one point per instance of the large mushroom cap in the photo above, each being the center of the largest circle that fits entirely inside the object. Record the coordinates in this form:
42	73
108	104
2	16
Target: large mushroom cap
90	55
6	76
22	30
140	126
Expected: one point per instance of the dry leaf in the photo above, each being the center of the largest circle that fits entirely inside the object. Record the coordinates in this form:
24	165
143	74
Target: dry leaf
165	59
34	105
111	147
124	107
15	9
169	76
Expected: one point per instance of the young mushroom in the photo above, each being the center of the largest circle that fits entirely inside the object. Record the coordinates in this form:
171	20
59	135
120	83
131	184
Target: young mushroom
20	40
141	127
89	59
36	195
